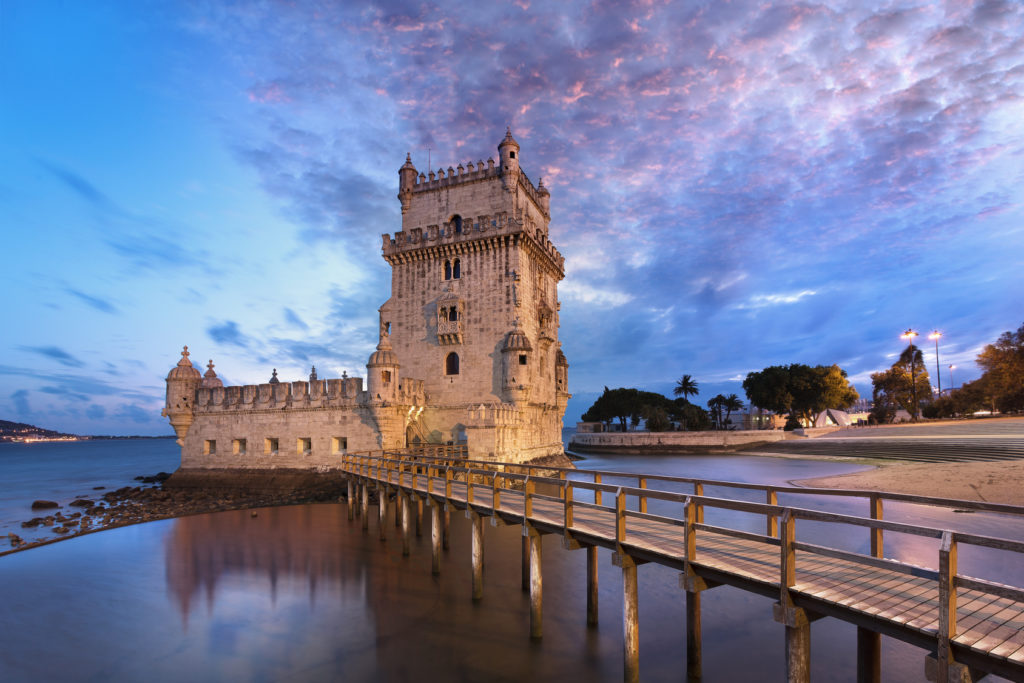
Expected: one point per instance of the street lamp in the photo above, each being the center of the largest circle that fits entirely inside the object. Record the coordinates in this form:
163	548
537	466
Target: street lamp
938	376
909	336
953	387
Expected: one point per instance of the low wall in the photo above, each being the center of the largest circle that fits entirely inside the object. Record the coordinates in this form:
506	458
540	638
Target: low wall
672	442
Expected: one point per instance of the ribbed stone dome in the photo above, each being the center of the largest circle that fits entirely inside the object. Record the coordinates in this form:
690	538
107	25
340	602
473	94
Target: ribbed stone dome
517	341
184	369
384	355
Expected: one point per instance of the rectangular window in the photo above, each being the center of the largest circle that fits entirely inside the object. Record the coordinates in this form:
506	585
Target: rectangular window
305	446
238	446
339	444
210	447
522	359
385	376
270	446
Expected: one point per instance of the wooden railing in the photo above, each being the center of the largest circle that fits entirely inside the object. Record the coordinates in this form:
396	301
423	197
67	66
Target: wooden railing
487	487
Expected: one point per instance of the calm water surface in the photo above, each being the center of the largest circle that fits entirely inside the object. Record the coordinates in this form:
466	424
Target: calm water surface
302	594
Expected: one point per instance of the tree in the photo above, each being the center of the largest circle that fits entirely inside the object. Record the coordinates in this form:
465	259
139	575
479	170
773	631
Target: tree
1003	363
800	390
730	403
614	404
686	387
898	386
715	406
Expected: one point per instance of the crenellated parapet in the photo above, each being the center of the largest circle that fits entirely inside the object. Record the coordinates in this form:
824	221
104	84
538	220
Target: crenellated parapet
323	393
494	415
456	176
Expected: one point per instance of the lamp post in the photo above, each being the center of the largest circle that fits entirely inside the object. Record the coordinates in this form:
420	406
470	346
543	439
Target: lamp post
951	382
938	376
909	336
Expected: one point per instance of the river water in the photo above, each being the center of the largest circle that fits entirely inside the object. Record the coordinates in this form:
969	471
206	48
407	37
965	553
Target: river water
302	594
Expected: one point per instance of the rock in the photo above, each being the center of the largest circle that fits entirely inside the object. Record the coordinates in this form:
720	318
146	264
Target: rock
60	530
98	488
81	503
15	540
44	504
48	520
34	522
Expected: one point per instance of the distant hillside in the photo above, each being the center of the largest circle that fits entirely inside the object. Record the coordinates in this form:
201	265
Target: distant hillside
20	430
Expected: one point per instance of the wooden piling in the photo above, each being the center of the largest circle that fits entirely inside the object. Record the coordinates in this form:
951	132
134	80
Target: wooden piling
382	511
419	516
630	621
525	562
351	500
435	537
405	523
477	525
694	648
446	524
536	582
798	649
869	656
591	585
364	507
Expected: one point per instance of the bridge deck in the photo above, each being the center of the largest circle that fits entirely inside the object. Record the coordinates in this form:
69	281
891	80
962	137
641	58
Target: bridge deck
894	599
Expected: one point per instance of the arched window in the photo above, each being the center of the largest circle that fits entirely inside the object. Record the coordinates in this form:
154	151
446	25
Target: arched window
448	270
453	314
457	224
457	270
451	364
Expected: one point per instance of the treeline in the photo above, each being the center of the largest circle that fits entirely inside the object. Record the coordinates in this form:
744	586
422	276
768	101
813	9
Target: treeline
628	406
1000	387
800	391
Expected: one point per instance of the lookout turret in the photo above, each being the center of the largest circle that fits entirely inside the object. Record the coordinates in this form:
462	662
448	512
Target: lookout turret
182	382
508	149
406	182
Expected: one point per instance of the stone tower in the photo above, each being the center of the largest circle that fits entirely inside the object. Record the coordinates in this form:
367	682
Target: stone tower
474	307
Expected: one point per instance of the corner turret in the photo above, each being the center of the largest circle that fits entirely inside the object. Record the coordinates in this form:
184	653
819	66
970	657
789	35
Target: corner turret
406	182
382	372
544	197
182	382
515	365
508	151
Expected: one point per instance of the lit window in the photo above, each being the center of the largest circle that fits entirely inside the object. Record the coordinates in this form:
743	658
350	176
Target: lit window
238	446
304	446
385	376
451	364
270	446
210	447
339	444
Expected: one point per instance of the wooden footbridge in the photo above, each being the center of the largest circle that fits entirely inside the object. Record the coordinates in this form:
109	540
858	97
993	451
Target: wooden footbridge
971	626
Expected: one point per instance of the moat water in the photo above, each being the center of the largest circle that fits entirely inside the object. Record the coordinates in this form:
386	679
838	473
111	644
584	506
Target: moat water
302	594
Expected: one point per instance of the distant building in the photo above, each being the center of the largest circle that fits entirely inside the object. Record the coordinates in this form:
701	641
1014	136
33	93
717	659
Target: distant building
468	352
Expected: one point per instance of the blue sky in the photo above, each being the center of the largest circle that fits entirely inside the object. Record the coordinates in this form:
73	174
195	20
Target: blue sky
734	185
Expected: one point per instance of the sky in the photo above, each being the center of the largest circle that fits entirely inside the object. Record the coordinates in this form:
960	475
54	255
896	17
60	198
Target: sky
733	184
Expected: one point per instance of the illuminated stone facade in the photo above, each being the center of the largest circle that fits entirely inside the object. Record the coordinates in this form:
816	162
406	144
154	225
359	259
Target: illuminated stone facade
468	353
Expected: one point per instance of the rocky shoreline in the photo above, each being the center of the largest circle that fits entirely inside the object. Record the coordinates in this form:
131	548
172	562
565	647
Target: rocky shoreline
160	496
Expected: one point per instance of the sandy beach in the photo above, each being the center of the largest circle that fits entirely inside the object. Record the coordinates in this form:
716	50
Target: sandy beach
993	482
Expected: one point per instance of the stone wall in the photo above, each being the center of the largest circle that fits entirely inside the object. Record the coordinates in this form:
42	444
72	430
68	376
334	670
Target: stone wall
672	442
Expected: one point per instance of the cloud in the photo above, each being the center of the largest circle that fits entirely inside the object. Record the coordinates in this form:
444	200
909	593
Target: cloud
95	412
99	304
79	185
21	406
292	318
55	353
227	333
136	413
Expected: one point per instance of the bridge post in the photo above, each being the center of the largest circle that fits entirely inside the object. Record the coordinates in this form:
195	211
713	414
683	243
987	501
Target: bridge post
405	523
419	516
350	499
364	506
534	540
869	643
798	625
630	618
435	537
445	526
382	510
591	585
477	524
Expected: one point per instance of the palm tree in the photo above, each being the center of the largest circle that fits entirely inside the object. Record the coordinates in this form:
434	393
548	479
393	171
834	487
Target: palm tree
686	387
731	403
715	408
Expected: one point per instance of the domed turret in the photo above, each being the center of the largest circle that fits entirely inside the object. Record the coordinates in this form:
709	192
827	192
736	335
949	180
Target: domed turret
544	196
508	151
182	382
382	371
406	182
515	365
210	379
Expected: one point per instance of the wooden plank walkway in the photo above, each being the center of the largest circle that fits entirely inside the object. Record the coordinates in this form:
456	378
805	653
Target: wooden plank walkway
969	624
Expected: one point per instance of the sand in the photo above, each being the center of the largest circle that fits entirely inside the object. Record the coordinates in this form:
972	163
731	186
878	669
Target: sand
992	482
